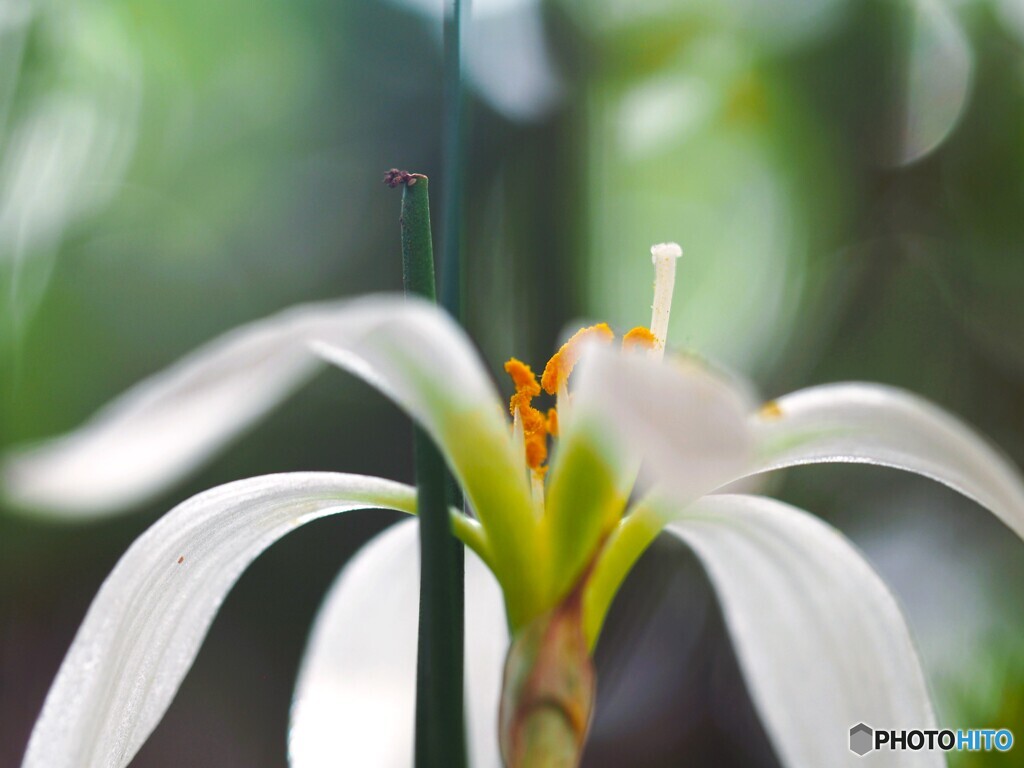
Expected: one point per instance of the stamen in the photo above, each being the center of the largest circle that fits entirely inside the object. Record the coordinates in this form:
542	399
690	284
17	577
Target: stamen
563	404
534	424
664	258
553	422
519	440
524	380
556	372
537	487
536	441
639	338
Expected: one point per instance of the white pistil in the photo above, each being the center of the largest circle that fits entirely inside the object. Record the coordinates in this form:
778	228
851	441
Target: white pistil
664	257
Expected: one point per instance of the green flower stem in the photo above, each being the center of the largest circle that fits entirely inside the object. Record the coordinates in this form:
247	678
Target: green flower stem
548	692
440	723
453	158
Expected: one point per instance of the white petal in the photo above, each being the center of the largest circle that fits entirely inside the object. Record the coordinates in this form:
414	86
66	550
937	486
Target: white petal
487	640
875	424
145	626
166	426
684	421
820	639
356	694
417	355
939	74
169	424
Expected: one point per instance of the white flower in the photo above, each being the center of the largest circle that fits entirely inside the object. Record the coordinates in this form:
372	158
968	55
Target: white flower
819	637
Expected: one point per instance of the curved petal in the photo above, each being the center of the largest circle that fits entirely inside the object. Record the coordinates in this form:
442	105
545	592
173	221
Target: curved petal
166	426
356	694
684	421
417	355
169	424
939	77
876	424
820	639
145	626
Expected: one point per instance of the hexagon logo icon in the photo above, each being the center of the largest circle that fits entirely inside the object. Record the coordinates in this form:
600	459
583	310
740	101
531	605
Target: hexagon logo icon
861	739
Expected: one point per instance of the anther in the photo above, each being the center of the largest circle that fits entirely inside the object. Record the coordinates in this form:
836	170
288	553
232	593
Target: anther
556	372
533	423
639	338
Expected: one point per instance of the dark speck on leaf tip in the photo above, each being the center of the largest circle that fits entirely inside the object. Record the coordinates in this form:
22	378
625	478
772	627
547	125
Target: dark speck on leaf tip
394	177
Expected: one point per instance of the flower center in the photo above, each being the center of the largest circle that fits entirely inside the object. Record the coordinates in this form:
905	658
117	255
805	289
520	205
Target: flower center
536	426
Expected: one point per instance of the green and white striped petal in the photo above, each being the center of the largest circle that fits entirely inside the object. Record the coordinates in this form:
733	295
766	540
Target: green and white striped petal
356	694
876	424
821	641
146	624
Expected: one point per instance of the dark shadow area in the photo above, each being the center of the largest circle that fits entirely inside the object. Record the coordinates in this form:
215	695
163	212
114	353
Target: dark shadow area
670	691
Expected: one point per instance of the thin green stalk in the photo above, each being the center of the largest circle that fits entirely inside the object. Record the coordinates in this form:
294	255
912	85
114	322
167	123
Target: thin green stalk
453	159
440	723
453	165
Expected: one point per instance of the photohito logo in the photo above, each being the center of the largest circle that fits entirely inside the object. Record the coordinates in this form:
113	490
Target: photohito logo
861	739
865	739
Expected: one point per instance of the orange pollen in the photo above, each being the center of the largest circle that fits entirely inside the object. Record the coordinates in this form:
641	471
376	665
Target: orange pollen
535	425
524	379
557	371
639	338
552	422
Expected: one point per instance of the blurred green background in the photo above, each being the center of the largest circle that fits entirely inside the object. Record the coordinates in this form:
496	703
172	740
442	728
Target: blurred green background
845	176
